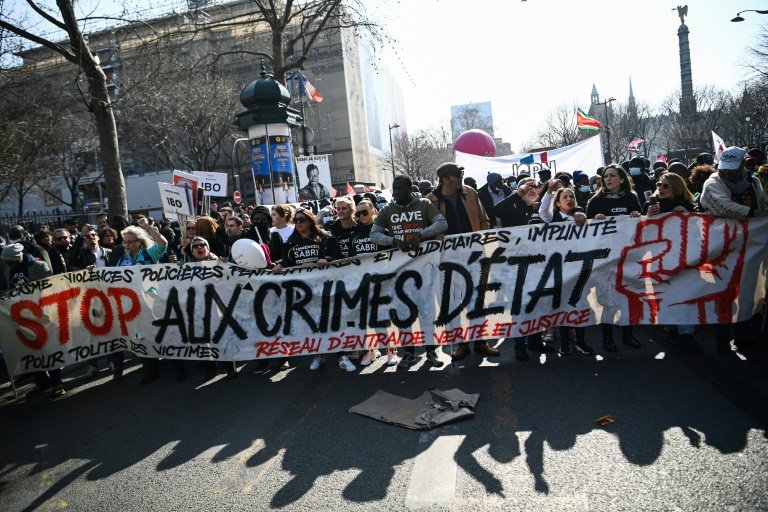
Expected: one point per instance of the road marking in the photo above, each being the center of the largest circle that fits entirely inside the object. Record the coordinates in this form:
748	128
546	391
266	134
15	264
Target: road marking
433	478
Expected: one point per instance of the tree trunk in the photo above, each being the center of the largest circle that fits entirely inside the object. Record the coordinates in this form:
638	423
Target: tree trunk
101	105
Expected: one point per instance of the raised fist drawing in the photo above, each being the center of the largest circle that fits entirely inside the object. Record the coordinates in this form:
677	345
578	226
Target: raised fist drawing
674	256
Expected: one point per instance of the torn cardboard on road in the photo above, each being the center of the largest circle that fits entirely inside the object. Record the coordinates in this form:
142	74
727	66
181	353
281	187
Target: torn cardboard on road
434	407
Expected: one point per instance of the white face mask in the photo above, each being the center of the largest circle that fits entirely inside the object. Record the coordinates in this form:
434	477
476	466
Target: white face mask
584	188
635	171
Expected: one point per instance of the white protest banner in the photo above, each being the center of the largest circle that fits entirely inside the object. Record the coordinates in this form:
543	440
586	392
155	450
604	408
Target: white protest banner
586	156
214	184
673	269
176	201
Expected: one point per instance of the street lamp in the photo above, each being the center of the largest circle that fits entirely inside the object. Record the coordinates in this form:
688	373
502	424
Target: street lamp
607	129
739	18
391	152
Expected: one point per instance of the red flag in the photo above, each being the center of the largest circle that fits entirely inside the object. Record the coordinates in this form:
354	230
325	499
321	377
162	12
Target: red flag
544	158
350	190
308	90
370	188
334	192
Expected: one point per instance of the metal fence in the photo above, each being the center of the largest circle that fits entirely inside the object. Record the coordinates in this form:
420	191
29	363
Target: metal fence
35	221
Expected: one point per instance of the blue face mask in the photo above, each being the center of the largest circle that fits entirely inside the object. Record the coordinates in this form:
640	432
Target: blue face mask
583	188
513	186
635	171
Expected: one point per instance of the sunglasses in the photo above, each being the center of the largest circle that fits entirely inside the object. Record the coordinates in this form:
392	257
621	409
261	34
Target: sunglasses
62	238
362	213
300	220
198	246
663	185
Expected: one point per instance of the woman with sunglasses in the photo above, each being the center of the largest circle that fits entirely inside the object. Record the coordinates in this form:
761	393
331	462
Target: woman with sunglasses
366	213
310	246
201	251
616	196
672	196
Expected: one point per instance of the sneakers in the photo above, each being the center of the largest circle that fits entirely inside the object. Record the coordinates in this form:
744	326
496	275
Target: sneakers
316	363
462	351
344	364
565	349
59	391
585	349
370	356
434	360
521	353
689	343
409	359
392	358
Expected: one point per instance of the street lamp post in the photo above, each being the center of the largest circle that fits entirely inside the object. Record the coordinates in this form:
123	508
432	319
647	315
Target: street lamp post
738	17
607	129
391	152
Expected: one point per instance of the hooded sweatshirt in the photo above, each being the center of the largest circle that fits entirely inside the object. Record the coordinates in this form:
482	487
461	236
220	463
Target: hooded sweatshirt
396	221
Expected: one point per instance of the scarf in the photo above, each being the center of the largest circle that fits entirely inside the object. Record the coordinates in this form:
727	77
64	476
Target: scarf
739	187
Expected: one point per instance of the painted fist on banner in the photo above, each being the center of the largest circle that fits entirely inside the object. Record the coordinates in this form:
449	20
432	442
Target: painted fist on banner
677	253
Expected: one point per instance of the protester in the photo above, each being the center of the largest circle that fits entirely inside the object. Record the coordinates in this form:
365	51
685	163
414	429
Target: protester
559	205
390	230
108	238
59	253
462	209
142	245
672	196
310	245
19	268
366	213
581	188
492	193
343	228
615	197
642	184
282	228
734	193
86	253
201	251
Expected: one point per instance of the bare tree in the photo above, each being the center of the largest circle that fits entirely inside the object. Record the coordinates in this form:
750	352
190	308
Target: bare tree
559	128
296	29
77	51
470	117
184	120
758	54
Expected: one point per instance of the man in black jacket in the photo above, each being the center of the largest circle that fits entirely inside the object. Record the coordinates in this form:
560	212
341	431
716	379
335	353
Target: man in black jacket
86	253
491	194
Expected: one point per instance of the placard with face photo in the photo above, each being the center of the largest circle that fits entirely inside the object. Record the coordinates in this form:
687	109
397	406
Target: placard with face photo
314	176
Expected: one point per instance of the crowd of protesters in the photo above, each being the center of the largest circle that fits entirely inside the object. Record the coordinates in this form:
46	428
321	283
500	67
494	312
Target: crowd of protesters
735	187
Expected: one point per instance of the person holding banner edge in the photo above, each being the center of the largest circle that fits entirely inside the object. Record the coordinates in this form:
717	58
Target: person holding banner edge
424	222
615	197
462	209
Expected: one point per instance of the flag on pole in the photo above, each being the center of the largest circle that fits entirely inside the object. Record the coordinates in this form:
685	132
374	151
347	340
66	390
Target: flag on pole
350	190
719	144
334	192
635	145
584	122
308	90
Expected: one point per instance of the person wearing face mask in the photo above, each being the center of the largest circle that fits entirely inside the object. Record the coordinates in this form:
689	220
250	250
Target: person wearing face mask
581	187
643	185
491	194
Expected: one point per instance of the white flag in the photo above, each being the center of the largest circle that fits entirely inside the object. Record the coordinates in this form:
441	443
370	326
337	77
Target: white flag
719	144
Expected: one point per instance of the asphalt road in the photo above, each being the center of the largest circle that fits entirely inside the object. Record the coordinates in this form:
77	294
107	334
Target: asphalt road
689	434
